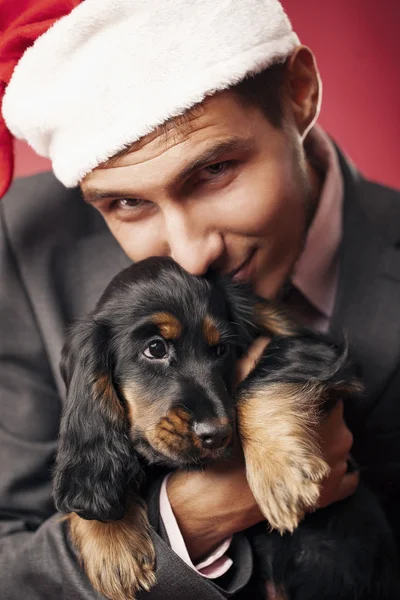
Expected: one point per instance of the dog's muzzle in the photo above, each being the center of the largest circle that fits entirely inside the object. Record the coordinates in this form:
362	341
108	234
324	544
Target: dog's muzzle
213	434
185	440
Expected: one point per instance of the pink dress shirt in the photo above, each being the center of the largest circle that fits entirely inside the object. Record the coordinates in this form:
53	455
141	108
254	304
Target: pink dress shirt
315	277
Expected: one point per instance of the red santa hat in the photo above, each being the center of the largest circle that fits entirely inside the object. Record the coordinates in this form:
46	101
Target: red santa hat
21	23
104	73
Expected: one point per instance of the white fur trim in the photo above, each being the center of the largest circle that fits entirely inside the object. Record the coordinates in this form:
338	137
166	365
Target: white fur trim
111	71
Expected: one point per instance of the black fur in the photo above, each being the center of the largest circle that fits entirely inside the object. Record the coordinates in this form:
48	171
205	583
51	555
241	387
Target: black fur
306	357
95	461
345	551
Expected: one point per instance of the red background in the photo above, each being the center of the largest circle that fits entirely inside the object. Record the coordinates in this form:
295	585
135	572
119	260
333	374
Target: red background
357	46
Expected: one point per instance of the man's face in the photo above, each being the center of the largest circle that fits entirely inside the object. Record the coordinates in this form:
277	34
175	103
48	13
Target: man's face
228	191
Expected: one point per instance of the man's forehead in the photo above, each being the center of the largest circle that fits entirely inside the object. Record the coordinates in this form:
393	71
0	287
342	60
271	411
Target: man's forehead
160	142
171	133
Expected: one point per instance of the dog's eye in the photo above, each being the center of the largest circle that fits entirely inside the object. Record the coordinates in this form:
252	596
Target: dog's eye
156	349
220	350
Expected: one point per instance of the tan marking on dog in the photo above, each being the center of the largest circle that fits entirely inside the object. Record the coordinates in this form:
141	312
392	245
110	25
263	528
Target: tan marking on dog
210	331
180	420
167	430
130	394
173	433
144	410
103	390
284	464
274	320
118	557
169	326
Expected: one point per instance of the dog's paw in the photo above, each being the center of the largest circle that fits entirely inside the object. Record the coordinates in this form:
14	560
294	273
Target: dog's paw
125	580
121	573
279	431
286	487
118	557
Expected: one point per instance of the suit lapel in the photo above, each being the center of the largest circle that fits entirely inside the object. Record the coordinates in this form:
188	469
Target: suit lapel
368	300
91	263
87	264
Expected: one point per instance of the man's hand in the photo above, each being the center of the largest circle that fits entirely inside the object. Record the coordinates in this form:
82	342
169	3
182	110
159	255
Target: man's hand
214	504
337	441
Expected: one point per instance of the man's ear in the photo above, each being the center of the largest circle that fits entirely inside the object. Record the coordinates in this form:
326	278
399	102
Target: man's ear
304	88
95	462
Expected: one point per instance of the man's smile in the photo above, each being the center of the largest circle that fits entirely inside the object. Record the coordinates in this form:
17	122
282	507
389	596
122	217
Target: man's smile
243	271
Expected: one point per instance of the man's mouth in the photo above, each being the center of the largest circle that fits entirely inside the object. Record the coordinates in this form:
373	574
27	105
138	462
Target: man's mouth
243	271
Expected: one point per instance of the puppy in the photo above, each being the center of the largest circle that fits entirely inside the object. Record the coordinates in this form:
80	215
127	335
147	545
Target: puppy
149	378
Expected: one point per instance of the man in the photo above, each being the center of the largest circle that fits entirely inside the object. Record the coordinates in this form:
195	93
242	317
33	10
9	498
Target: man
149	108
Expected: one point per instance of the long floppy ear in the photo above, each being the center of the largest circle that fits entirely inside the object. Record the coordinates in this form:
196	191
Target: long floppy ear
95	462
255	316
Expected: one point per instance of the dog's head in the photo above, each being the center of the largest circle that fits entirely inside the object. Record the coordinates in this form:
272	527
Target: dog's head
150	371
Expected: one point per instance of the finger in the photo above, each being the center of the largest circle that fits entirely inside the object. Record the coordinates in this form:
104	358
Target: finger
339	471
337	445
344	486
336	437
348	440
348	485
273	593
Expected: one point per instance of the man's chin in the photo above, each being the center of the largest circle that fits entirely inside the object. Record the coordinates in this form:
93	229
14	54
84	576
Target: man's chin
273	287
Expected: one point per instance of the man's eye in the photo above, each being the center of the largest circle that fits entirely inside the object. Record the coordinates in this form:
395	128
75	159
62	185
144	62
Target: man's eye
127	203
217	172
217	168
156	350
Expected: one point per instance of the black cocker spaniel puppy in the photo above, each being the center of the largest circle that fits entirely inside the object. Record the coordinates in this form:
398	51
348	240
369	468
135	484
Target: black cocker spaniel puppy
149	377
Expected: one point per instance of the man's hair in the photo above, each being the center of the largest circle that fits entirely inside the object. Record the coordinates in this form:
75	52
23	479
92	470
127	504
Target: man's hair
265	91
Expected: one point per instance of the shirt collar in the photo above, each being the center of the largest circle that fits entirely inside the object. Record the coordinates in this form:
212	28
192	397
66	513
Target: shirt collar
316	272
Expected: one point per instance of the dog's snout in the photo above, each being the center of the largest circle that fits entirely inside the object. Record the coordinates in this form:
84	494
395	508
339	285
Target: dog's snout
213	434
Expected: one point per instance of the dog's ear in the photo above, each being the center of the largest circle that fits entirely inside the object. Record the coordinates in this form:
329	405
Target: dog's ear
240	304
95	462
254	316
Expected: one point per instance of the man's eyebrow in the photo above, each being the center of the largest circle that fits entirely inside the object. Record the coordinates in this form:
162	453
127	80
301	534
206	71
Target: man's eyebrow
213	154
91	195
210	155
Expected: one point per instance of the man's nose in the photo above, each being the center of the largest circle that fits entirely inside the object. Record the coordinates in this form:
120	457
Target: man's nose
192	241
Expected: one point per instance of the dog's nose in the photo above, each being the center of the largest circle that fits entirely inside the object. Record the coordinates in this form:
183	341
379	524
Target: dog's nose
213	435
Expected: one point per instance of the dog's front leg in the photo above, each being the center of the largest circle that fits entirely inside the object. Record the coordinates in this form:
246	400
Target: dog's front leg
284	464
118	557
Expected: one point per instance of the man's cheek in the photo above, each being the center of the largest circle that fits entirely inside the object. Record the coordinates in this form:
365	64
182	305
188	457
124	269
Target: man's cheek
135	241
251	210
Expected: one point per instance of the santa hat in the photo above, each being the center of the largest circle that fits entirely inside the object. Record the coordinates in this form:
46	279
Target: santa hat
108	72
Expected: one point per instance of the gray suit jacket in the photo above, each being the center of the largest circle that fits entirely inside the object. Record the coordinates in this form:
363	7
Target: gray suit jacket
56	257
